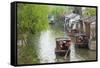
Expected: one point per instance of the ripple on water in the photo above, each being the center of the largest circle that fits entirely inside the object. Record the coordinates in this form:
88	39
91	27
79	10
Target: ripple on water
47	47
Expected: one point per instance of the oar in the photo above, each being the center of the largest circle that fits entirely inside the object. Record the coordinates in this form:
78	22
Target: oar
66	53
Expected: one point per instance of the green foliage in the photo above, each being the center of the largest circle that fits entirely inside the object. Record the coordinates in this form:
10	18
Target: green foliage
59	11
77	10
26	55
89	12
31	18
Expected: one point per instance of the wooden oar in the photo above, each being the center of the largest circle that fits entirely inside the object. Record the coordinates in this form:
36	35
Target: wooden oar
66	53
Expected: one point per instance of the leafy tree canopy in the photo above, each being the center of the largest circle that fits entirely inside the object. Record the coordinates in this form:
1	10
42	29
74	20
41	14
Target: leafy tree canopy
32	18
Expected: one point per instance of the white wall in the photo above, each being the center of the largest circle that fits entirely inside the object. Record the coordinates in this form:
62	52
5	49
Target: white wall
5	34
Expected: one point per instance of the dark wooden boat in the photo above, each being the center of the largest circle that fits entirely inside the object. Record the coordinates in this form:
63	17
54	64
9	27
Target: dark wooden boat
82	41
62	46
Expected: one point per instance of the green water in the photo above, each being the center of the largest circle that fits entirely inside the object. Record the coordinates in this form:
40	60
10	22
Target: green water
43	50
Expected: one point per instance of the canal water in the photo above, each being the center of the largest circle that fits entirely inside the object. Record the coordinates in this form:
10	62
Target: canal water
47	44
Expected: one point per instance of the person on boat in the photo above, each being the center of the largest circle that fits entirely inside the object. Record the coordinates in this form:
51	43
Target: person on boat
61	44
65	45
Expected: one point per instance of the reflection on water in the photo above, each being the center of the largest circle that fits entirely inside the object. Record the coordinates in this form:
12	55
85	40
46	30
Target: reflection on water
47	47
46	51
74	56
